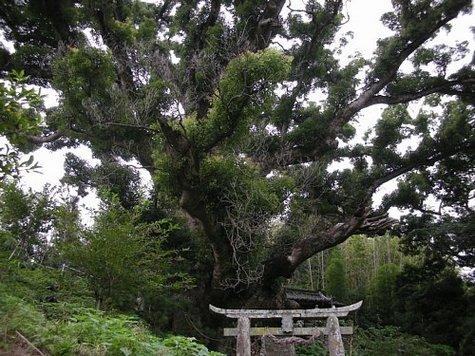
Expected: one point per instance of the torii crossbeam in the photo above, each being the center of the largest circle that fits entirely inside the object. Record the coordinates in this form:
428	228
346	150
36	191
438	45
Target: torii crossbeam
243	332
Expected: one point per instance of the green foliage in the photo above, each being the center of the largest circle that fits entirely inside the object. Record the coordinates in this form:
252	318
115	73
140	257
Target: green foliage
54	310
109	177
358	253
221	172
20	108
120	261
363	256
420	295
391	341
25	219
87	331
467	344
242	138
389	130
52	22
180	345
83	74
387	340
382	292
315	349
451	176
245	90
123	259
38	285
335	275
440	239
433	303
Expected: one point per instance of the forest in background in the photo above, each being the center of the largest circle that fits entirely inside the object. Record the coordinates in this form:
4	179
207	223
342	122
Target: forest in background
124	286
239	111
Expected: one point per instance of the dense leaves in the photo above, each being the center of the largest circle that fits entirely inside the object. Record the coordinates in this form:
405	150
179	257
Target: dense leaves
19	117
177	86
70	324
123	260
25	221
434	306
415	294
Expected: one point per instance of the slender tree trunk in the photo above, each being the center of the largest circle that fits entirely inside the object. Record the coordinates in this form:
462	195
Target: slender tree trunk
309	262
322	270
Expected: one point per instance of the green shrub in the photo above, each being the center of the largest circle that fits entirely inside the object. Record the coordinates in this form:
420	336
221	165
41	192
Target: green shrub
183	346
89	331
68	325
387	341
18	315
315	349
38	284
390	341
92	332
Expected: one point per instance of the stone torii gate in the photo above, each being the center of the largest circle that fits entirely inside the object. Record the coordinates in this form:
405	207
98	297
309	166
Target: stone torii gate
244	331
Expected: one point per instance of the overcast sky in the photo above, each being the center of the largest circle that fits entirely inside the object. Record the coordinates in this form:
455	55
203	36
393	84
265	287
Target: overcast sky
363	21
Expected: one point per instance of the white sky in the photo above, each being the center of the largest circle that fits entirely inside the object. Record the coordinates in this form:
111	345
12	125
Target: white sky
364	21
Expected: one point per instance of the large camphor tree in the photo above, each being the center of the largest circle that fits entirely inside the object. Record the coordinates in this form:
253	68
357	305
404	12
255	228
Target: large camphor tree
237	112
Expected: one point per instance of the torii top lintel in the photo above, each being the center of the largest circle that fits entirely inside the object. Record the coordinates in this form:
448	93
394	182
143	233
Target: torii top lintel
294	313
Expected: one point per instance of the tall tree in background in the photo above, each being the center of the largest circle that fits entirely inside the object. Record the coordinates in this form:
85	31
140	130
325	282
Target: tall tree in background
434	303
189	90
335	274
383	292
25	222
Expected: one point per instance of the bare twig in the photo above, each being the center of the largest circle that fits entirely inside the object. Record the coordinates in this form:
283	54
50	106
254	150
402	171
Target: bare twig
23	338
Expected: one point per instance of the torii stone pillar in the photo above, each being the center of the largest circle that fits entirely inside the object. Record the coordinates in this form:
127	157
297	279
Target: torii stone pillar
243	338
334	341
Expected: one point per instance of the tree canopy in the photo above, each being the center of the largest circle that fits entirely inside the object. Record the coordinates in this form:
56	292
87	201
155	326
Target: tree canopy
20	117
202	95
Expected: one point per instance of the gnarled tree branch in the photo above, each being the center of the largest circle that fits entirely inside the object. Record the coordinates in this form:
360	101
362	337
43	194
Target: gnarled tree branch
45	139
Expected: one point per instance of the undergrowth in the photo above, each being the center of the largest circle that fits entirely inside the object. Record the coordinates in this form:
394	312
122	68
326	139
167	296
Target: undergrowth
388	341
40	304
